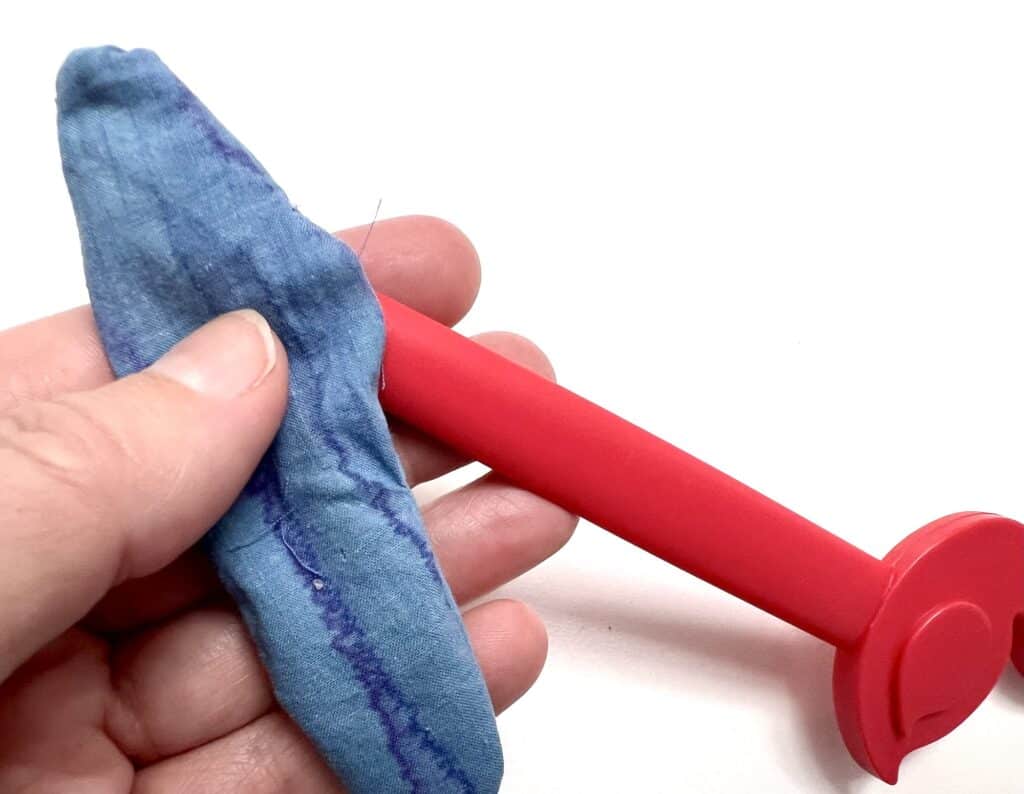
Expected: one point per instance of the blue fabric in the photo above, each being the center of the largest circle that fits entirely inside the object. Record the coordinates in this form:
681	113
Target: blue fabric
324	551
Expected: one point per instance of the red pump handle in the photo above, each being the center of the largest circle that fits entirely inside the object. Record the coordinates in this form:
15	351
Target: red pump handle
572	452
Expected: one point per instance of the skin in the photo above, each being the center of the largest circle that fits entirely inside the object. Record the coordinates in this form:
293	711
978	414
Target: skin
123	665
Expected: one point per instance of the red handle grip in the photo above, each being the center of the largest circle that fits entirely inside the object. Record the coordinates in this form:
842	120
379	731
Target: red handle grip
620	477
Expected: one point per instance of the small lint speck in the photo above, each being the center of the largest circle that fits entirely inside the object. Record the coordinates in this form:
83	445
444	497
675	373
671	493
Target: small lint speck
318	584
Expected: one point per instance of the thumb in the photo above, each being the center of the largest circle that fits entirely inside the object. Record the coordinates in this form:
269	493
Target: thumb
111	484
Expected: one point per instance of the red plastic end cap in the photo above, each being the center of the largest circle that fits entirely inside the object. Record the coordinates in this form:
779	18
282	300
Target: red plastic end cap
939	641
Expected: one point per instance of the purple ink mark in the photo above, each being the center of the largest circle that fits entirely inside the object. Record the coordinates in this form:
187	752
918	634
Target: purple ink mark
190	105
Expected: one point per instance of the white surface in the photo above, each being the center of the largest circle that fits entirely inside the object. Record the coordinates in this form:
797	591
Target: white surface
784	236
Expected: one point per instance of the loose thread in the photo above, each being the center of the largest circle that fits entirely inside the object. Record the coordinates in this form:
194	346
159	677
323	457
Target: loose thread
369	231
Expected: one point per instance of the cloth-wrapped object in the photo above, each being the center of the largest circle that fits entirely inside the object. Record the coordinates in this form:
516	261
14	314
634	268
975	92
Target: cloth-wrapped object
324	551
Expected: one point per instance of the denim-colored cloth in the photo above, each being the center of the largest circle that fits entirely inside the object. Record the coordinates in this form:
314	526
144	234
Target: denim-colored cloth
325	551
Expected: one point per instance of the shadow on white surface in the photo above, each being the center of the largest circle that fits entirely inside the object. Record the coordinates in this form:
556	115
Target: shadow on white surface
673	645
1011	687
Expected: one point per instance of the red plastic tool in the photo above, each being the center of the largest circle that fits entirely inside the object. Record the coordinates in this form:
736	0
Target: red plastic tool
921	635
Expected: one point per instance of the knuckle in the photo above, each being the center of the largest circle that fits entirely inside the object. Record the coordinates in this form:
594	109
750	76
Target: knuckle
15	389
63	441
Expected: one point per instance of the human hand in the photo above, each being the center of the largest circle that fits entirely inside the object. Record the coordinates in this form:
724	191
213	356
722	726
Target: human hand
124	666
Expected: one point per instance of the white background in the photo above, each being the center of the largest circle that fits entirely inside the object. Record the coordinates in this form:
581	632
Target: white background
785	236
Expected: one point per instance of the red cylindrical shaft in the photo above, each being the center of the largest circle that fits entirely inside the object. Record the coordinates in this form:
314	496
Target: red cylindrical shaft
599	466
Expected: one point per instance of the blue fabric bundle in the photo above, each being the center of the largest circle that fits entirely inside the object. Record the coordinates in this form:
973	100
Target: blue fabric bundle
324	551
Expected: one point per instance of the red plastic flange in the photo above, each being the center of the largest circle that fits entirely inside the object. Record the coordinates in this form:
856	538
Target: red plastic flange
939	642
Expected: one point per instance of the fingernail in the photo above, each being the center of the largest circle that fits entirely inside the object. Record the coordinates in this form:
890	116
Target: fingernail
225	358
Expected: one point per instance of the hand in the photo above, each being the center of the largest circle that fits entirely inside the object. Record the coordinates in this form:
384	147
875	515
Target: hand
124	666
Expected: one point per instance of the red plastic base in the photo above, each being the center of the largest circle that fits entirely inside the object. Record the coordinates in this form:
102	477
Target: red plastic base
938	643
